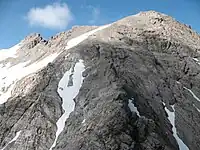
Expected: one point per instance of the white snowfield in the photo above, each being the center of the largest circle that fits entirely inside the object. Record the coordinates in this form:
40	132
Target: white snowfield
10	75
75	41
11	52
68	94
132	106
171	117
13	140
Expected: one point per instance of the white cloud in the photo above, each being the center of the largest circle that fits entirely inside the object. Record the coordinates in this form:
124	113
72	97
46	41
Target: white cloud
55	16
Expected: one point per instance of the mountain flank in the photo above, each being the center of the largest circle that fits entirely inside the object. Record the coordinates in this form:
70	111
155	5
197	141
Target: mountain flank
133	84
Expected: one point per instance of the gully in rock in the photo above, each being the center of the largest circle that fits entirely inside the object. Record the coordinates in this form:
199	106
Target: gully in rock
68	94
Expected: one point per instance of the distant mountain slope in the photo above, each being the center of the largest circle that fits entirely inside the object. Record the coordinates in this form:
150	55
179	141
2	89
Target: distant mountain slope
130	85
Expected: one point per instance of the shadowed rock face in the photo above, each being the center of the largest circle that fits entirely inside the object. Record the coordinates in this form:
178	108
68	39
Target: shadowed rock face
147	59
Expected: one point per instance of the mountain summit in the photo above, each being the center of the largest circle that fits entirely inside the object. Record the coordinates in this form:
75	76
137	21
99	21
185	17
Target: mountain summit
129	85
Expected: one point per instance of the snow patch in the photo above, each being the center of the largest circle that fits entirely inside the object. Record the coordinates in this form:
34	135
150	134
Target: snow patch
196	108
10	75
75	41
132	107
13	140
196	60
68	93
194	97
83	122
11	52
192	94
171	117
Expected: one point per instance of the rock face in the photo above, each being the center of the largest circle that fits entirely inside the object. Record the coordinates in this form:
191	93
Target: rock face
141	88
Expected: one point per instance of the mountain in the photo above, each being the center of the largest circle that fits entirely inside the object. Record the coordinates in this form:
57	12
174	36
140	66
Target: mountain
130	85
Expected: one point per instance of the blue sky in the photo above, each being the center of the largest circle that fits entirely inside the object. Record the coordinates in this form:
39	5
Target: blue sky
19	18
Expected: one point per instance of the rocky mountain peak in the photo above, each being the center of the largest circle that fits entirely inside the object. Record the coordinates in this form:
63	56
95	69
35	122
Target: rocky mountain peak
129	85
154	25
33	39
151	14
32	36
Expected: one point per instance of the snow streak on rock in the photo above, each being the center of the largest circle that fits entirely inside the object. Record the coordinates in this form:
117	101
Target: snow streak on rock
192	94
75	41
171	117
13	140
83	121
68	94
194	97
196	108
132	106
196	60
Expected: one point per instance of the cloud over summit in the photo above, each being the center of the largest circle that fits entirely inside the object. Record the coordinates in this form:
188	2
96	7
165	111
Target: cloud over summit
55	16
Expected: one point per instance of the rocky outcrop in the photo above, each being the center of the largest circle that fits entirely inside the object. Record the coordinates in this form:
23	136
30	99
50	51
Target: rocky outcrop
141	73
32	40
